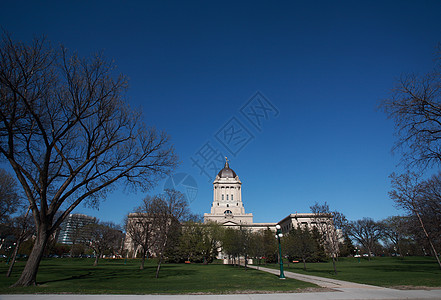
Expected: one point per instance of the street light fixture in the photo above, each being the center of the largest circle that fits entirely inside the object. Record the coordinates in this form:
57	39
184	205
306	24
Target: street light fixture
357	255
278	236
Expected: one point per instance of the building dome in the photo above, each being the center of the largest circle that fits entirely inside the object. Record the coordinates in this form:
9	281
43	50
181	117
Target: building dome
226	172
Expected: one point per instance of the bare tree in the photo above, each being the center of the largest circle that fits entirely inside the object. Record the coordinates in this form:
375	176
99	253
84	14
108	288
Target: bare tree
415	107
393	230
23	228
324	219
69	136
139	227
431	208
365	231
104	236
9	198
410	193
168	210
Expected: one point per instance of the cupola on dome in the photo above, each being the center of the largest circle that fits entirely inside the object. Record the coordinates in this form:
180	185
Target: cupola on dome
226	172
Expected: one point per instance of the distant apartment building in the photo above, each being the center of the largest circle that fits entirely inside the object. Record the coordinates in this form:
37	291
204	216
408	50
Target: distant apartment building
74	230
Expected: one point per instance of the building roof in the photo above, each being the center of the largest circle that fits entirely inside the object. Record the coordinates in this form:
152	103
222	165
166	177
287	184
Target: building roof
226	172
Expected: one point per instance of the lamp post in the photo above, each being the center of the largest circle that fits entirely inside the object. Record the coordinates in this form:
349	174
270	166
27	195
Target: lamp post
358	255
278	236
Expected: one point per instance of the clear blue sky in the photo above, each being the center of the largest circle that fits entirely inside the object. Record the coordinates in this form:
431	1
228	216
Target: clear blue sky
323	65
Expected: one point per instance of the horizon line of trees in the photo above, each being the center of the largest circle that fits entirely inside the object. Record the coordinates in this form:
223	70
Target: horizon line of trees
173	234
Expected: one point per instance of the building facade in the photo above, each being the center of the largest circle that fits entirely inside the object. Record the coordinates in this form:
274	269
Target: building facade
73	230
228	208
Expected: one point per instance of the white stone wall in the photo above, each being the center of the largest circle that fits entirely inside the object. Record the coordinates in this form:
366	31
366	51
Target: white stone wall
227	202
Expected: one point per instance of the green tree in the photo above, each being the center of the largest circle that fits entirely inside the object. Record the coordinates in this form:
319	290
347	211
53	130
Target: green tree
320	254
347	248
300	243
245	239
231	244
257	246
270	247
198	242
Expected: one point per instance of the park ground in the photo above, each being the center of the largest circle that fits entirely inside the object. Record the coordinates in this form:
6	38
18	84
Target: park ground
78	276
396	272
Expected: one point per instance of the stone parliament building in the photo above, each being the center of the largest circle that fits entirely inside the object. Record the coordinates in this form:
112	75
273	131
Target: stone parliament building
228	209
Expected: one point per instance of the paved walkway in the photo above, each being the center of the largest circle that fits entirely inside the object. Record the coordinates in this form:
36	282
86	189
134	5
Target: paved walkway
343	290
320	281
352	290
343	294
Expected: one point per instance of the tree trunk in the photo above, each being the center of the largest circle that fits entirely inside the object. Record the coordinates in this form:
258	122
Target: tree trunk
142	260
159	266
246	261
14	256
29	274
399	250
71	252
428	239
97	256
335	267
304	264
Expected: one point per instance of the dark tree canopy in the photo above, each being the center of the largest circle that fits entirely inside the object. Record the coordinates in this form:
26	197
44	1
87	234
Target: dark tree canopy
69	135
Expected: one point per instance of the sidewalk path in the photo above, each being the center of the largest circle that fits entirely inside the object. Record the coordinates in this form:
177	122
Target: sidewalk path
344	294
320	281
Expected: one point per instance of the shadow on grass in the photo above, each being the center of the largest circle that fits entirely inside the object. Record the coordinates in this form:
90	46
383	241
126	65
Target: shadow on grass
103	274
76	277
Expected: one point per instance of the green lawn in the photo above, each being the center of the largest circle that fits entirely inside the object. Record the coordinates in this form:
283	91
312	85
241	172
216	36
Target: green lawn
381	271
115	277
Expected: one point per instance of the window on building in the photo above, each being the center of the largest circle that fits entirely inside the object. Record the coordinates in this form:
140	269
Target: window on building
232	197
228	212
227	197
222	197
228	205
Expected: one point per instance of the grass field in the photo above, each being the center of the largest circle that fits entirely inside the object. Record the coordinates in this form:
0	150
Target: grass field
78	276
381	271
